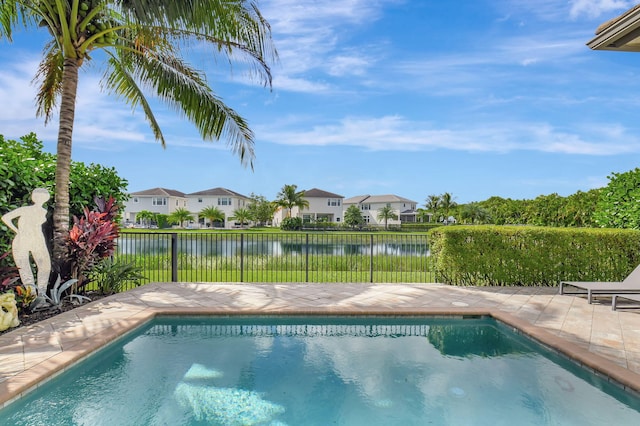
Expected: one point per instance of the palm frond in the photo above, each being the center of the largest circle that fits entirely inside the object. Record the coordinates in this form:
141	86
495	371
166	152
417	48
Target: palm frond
49	80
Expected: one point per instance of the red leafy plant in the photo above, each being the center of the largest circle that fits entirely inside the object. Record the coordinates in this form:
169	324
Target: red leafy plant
91	239
9	277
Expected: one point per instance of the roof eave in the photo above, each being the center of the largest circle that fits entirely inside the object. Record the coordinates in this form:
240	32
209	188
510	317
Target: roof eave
619	34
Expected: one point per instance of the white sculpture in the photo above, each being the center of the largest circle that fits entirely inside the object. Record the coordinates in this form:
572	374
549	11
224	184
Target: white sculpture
30	240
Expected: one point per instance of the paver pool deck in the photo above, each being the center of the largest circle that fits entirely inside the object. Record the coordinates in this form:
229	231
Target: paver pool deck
594	335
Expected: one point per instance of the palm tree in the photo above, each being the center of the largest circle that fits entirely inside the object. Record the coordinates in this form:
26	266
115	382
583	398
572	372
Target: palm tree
142	44
212	214
145	217
353	216
385	213
179	216
241	215
432	204
289	197
446	204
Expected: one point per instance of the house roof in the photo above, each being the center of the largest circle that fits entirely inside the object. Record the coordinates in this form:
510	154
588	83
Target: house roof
620	33
219	192
319	193
388	198
159	192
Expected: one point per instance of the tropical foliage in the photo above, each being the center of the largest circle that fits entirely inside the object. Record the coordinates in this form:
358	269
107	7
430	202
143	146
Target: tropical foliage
289	197
619	204
142	44
179	216
145	217
261	209
214	215
353	216
242	216
385	214
24	166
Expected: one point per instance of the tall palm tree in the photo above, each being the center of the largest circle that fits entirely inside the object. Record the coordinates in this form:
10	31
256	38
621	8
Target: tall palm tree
289	197
212	214
432	204
142	43
385	213
447	203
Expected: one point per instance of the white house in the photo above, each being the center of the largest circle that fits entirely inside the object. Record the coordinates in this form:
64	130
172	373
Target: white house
224	199
323	206
369	205
156	200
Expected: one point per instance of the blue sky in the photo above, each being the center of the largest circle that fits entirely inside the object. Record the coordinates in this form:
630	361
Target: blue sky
475	98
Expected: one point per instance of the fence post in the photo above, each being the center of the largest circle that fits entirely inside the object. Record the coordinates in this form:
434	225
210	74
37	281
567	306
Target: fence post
371	260
241	258
174	257
306	260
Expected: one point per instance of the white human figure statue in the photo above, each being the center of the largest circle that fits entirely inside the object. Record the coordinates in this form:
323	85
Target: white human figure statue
30	240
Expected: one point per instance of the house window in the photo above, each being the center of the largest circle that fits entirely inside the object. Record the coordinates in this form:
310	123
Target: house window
224	201
176	202
333	202
365	207
366	219
135	199
158	201
199	200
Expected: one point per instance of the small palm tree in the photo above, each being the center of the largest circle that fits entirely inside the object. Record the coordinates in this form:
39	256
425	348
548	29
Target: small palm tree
385	213
353	216
145	217
289	197
241	215
179	216
212	214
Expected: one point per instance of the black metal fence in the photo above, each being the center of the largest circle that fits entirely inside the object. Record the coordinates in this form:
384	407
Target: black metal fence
277	257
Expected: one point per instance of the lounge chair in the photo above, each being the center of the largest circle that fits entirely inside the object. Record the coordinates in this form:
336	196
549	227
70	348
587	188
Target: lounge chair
627	298
631	285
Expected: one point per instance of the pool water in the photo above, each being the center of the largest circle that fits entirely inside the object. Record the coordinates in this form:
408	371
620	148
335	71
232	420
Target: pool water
325	371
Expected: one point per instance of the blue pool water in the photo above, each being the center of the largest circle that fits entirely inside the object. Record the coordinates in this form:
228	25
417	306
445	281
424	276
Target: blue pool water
325	371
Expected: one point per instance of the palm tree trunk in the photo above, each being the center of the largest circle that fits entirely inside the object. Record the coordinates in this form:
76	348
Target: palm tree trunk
63	161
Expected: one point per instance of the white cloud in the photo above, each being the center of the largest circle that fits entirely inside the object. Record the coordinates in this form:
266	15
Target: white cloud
597	8
395	133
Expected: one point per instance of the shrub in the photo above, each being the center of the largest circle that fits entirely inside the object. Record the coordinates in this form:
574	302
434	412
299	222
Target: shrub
523	255
291	224
110	277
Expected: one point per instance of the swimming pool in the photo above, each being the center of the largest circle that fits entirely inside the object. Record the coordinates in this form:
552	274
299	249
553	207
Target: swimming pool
324	370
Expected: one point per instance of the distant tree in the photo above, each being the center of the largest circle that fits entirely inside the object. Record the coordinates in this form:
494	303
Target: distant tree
432	206
580	208
619	205
353	216
212	214
261	209
447	204
289	197
241	215
145	217
179	216
473	213
385	213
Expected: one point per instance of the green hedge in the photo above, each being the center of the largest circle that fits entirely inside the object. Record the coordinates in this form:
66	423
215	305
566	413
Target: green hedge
523	255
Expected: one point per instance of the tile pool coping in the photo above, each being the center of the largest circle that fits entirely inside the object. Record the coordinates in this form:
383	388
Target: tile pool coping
32	355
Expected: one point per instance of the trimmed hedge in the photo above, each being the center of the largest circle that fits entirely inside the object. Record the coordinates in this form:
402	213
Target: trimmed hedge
531	256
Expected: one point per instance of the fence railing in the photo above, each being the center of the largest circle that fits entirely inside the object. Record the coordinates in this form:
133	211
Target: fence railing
286	257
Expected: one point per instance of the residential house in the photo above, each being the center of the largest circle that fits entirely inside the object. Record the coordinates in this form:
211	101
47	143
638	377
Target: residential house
369	205
156	200
323	206
224	199
621	33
